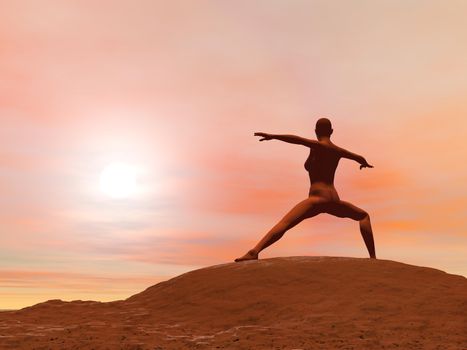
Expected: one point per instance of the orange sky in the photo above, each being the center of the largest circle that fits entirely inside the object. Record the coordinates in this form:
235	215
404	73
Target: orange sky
179	88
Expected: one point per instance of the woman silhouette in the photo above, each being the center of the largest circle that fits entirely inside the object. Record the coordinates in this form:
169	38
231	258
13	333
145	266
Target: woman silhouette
322	197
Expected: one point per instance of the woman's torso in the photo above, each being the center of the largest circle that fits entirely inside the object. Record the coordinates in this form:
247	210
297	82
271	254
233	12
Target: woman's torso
321	166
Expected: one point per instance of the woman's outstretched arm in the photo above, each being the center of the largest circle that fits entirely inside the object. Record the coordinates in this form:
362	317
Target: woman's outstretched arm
356	157
288	138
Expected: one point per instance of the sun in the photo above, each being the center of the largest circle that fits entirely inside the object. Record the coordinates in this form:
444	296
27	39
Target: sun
118	180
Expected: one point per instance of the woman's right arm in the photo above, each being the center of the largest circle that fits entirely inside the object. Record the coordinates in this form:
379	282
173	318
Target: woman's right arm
358	158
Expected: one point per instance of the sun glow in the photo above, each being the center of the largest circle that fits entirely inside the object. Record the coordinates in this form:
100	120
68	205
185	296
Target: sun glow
118	180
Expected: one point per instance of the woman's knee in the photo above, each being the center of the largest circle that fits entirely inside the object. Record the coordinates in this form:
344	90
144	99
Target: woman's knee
357	214
283	225
363	215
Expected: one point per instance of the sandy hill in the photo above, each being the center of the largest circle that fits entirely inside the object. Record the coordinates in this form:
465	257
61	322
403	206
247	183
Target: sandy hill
279	303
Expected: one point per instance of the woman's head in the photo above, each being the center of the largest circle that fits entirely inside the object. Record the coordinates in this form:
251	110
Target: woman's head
323	127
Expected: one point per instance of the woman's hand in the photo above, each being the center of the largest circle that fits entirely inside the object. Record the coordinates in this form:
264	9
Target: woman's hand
264	136
365	165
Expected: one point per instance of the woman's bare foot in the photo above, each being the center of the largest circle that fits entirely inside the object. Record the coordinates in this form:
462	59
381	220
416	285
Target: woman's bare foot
251	255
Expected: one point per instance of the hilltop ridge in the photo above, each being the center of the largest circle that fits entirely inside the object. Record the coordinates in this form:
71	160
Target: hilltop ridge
295	302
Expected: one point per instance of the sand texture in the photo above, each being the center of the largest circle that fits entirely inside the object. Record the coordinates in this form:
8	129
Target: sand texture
279	303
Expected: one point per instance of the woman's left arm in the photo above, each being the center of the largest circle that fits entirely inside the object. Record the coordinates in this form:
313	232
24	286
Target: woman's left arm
289	139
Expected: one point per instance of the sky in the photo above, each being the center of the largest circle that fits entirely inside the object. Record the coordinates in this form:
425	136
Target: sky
176	89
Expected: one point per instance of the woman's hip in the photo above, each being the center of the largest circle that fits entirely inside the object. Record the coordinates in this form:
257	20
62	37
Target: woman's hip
326	192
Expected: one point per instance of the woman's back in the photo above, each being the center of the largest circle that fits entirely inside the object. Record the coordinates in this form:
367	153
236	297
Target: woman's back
322	163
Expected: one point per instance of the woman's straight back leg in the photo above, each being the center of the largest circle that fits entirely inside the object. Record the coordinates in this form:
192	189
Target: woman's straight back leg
307	208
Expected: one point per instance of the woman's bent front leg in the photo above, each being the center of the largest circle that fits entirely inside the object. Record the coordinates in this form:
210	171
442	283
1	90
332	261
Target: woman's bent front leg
348	210
305	209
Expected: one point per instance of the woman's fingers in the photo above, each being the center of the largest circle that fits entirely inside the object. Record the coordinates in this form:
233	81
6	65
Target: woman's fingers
366	166
263	135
